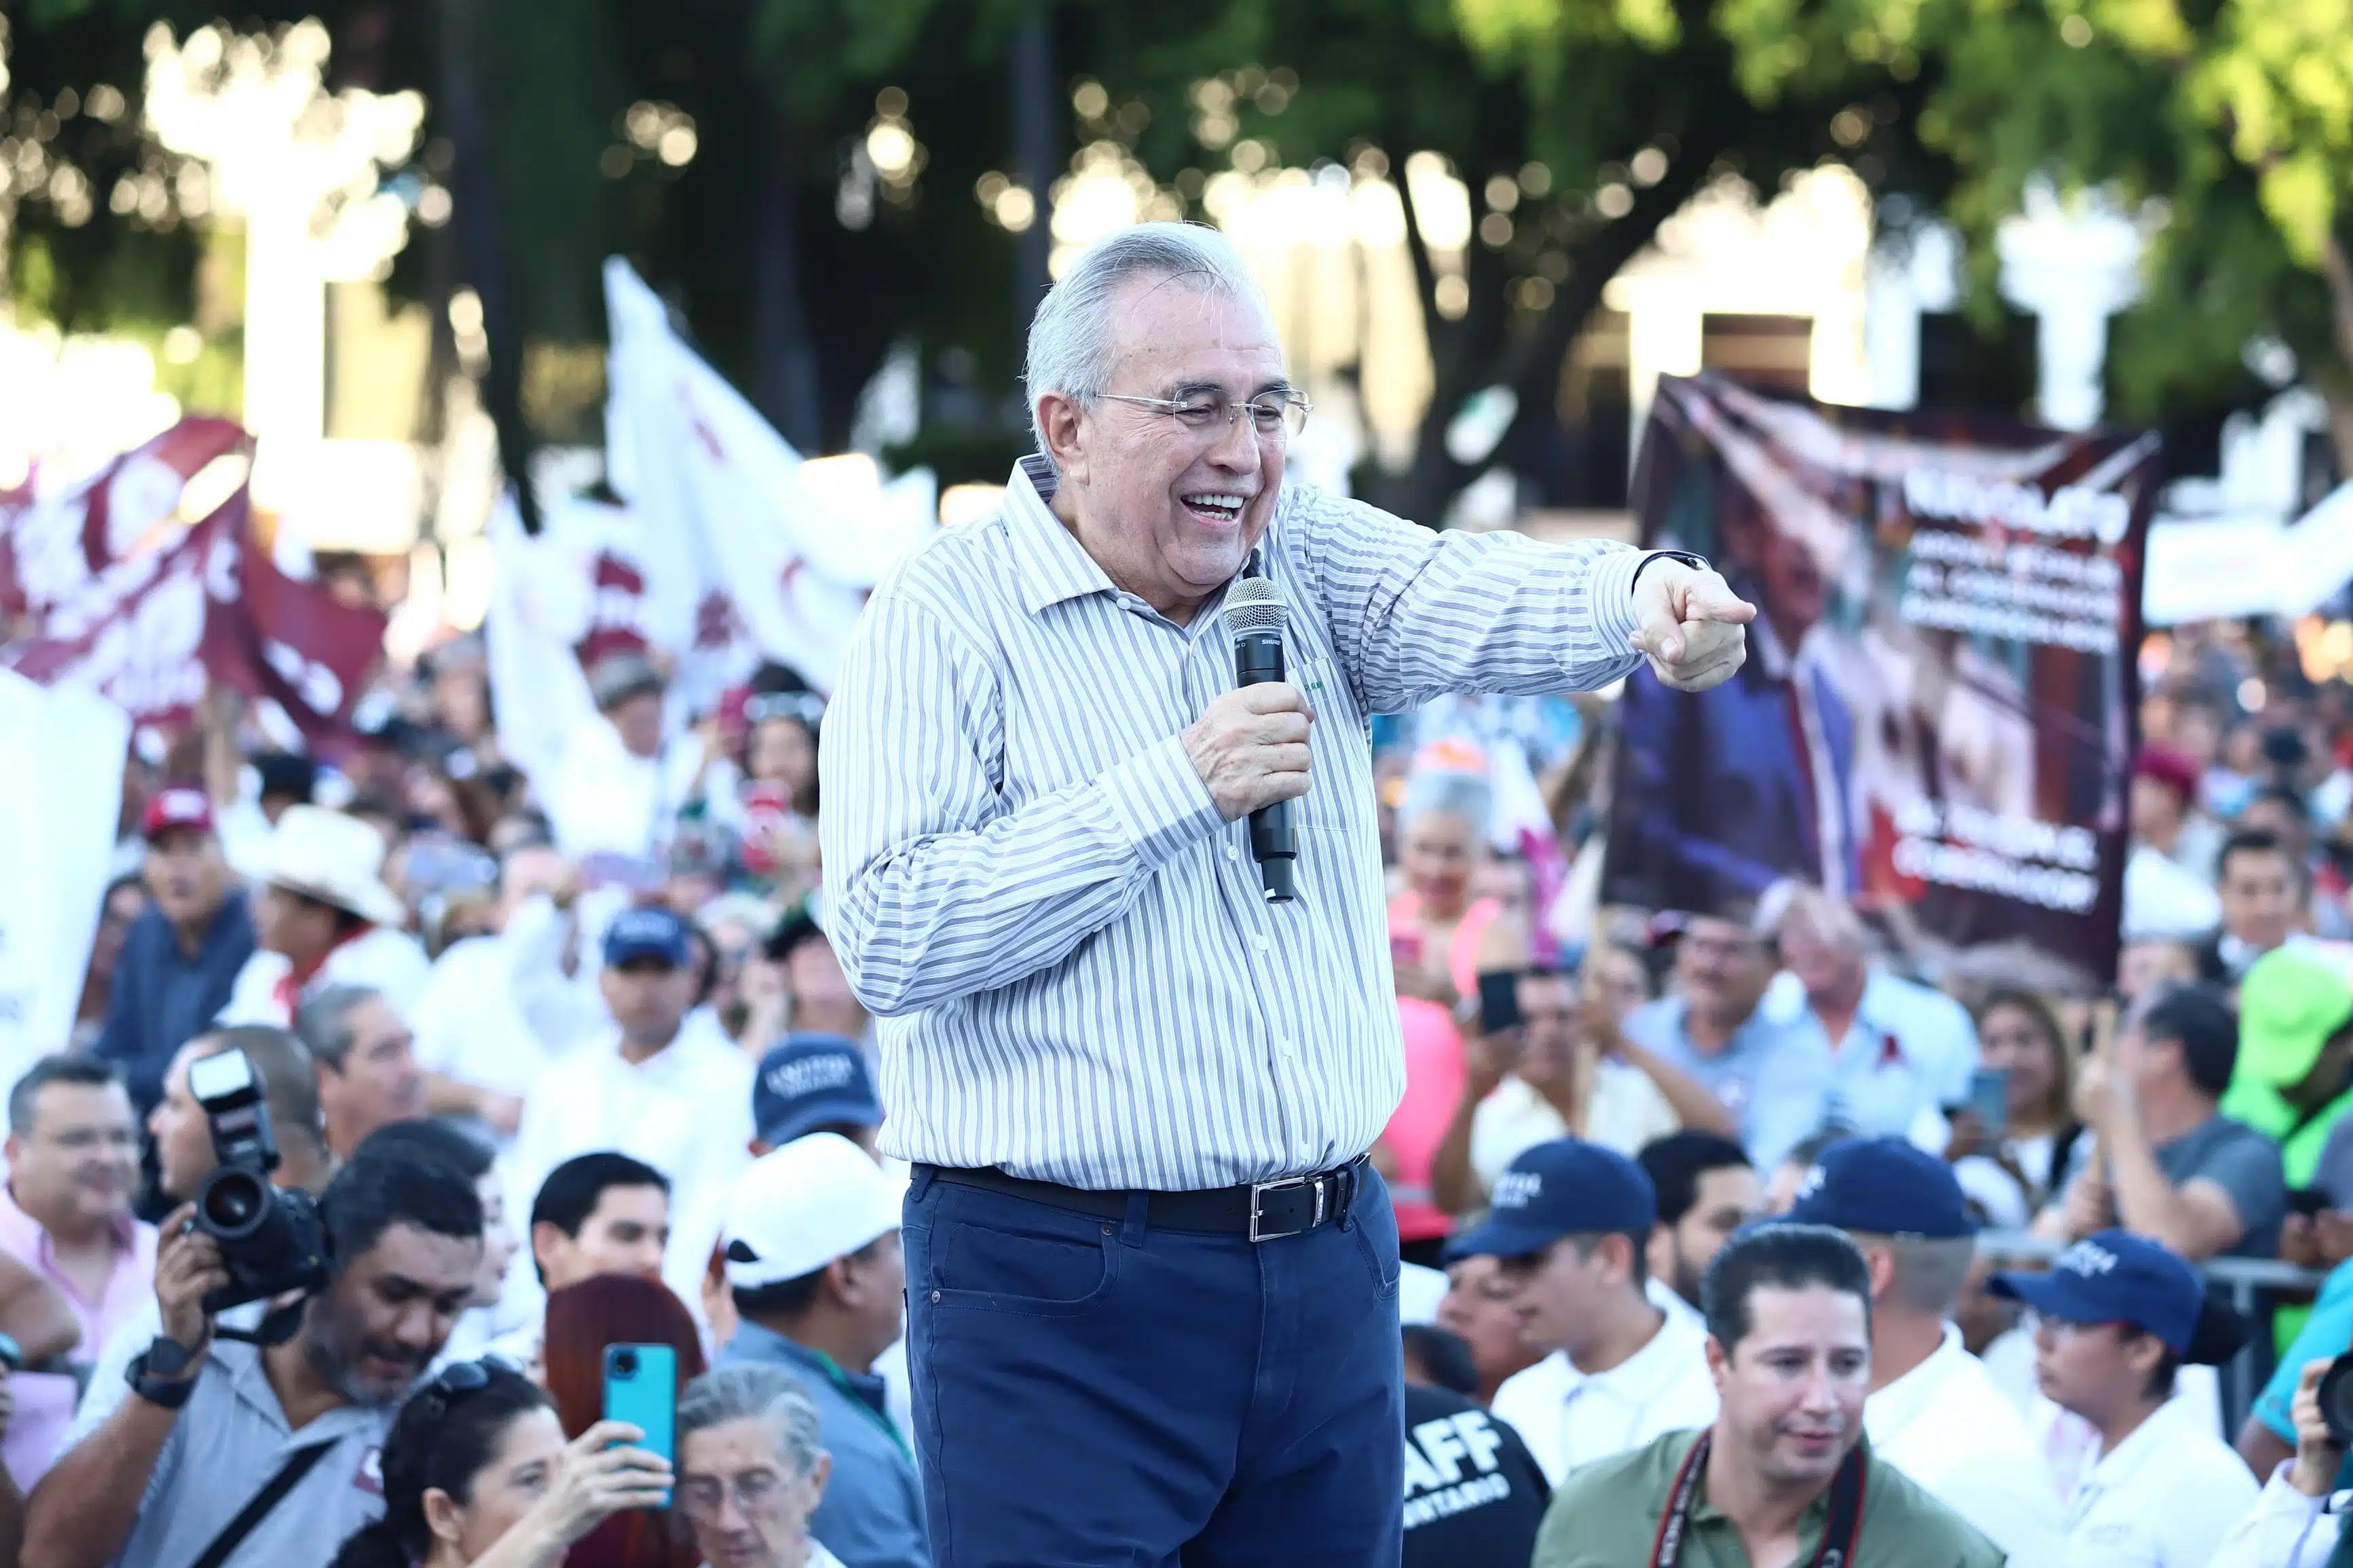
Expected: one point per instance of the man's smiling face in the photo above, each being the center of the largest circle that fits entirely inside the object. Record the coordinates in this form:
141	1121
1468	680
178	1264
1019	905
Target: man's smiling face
1170	511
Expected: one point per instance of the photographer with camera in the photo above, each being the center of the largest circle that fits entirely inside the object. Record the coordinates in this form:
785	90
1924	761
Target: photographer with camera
2297	1522
263	1450
186	1158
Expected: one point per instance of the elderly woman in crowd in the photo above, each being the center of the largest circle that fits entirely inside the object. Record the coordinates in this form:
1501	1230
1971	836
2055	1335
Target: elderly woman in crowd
751	1468
1441	939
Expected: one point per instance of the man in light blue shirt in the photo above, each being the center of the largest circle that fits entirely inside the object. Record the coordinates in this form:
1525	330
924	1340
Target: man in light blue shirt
1899	1052
1773	1077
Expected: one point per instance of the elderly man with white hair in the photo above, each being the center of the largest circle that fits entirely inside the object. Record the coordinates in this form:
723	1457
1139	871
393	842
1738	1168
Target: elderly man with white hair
1902	1053
751	1468
1152	1278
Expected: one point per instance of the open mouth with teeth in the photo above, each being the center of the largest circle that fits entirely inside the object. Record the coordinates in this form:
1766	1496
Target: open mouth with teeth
1213	507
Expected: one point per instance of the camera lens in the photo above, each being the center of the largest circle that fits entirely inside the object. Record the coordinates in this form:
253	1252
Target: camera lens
233	1202
625	1364
2336	1397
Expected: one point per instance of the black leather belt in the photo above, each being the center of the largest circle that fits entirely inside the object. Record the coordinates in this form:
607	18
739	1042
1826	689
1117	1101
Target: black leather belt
1262	1211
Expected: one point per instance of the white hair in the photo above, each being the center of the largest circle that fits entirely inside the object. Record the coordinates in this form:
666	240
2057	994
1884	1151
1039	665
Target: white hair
1446	791
1072	335
754	1391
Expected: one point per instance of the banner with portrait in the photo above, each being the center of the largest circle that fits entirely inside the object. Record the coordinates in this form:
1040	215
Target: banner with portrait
1937	714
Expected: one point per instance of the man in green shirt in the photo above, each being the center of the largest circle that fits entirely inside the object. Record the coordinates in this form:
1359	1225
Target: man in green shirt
1784	1478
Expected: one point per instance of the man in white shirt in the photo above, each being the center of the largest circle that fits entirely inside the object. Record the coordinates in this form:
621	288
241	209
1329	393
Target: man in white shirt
2120	1315
620	784
1933	1412
1571	1224
1707	1189
481	1048
1899	1051
664	1086
325	918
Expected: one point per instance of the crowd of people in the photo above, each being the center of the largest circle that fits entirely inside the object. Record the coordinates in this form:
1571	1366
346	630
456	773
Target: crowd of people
1906	1259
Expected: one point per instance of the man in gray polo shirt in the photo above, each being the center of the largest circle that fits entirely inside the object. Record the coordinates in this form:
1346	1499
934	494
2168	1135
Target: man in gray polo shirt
215	1421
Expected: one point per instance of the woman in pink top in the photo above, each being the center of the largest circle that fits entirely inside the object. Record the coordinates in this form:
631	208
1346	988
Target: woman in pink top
1440	939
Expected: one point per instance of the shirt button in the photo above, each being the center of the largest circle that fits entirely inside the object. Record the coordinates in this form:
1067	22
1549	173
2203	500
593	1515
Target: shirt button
1233	851
1259	938
936	1298
1282	1047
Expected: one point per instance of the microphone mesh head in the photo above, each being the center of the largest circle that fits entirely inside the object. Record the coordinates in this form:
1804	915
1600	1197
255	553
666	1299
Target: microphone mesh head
1253	605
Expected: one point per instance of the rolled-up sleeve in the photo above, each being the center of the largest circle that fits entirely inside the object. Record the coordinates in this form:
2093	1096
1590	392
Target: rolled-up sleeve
935	890
1415	615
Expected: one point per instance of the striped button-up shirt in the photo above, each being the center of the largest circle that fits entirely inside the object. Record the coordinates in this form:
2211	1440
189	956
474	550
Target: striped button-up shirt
1078	976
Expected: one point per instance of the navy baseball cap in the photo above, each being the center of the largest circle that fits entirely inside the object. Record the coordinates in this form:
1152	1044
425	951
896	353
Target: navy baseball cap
651	932
1883	1186
811	1081
1565	1187
2116	1277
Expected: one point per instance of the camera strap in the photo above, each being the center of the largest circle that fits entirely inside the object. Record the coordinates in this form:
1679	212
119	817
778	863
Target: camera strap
274	1330
289	1475
1841	1532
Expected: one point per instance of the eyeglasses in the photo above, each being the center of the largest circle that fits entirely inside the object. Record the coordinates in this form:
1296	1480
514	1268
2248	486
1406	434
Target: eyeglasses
702	1498
1270	413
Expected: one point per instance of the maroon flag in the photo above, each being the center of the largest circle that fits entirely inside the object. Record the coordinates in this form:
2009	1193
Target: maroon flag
54	546
268	635
136	630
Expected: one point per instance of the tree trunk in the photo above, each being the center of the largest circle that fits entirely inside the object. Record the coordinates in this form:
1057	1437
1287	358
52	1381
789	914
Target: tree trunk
1035	103
2337	270
481	252
785	376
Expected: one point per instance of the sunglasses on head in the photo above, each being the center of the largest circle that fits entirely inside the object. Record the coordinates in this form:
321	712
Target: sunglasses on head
454	1381
805	705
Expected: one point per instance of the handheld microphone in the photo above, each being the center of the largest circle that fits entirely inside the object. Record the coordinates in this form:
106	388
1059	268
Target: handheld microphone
1254	615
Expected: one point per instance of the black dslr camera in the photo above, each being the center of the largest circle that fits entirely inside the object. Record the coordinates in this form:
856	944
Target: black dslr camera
272	1241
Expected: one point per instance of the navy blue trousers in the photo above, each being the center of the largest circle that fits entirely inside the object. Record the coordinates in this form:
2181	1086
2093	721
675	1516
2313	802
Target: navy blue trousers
1094	1394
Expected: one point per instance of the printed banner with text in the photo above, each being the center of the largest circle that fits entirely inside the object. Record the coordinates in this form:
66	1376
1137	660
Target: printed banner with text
1937	713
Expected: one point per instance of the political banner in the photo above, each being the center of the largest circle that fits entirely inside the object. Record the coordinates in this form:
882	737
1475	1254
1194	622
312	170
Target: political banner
1937	713
59	806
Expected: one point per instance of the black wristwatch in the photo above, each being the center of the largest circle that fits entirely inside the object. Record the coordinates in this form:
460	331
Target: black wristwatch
1696	563
160	1374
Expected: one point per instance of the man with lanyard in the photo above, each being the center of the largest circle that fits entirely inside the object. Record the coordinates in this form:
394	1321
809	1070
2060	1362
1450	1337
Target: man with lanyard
2120	1314
1933	1413
813	1263
1785	1475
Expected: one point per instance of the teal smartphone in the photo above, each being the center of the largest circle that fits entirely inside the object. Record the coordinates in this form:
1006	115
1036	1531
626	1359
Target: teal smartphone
641	1388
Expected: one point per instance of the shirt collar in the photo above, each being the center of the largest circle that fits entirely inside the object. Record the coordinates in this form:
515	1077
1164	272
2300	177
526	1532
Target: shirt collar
1906	1399
758	1341
2116	1466
1050	563
17	1226
1815	1518
1667	1355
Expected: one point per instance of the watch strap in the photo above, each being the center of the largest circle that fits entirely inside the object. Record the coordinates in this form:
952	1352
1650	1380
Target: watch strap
1696	563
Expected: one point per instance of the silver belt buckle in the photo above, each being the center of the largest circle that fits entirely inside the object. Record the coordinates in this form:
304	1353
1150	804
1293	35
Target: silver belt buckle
1257	1195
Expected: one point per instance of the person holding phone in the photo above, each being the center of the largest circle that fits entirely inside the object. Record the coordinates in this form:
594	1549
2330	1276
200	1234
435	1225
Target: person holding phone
588	1324
476	1473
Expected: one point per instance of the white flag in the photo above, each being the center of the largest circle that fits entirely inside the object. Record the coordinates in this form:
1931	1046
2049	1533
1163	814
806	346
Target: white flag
57	816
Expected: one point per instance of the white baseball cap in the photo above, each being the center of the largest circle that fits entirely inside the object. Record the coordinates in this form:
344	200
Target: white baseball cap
801	1207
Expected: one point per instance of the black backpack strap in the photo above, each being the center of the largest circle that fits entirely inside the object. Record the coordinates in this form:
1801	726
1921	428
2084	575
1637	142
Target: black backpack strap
289	1475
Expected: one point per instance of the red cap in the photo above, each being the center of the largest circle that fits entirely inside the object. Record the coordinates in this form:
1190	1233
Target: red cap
179	806
2174	769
